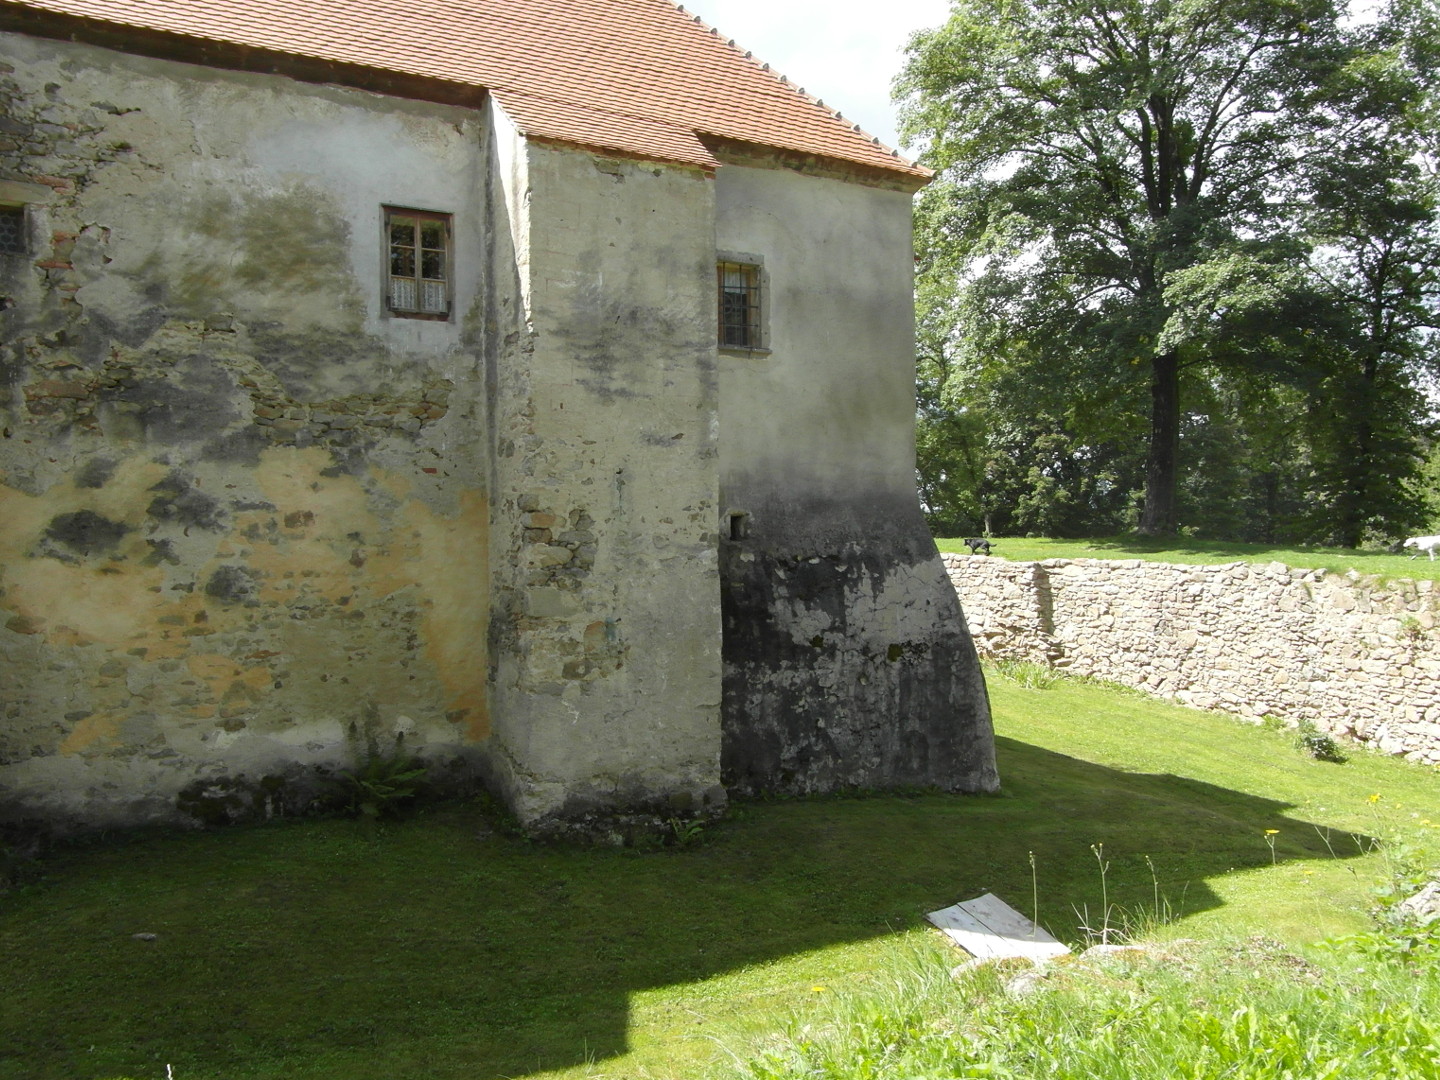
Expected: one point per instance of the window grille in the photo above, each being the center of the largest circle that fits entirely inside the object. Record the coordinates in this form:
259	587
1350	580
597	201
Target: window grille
12	230
739	285
419	278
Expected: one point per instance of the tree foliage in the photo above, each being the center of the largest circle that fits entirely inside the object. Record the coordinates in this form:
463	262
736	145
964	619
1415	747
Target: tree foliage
1150	214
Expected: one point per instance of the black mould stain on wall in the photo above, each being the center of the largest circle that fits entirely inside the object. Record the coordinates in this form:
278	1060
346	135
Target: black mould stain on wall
847	668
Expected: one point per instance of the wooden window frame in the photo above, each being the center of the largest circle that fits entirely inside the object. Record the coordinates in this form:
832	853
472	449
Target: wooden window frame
389	216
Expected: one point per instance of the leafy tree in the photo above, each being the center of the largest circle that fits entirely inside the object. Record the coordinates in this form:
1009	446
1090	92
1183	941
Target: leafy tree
1247	468
1373	215
1003	447
1121	191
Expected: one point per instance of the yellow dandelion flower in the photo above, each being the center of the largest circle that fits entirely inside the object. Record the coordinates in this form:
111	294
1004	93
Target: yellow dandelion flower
1373	799
817	989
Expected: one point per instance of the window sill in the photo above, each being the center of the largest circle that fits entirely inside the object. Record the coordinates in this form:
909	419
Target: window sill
424	316
732	350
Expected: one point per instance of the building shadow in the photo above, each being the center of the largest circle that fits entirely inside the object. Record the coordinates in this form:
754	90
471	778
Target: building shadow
444	947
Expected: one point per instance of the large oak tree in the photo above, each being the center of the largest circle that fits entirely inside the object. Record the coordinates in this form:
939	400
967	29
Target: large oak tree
1124	187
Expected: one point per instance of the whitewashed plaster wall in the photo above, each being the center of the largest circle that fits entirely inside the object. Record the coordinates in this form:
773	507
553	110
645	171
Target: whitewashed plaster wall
253	524
243	514
606	637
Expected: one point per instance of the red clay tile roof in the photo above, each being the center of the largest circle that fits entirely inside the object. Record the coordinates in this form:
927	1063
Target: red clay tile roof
641	78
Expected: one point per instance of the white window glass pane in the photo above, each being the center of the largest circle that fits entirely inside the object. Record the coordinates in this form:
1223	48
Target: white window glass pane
433	295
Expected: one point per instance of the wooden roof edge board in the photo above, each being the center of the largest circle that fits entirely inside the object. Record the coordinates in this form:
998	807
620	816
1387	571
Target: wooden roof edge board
233	56
988	927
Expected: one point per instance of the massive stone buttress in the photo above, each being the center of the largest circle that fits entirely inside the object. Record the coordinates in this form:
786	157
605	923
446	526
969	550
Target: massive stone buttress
847	660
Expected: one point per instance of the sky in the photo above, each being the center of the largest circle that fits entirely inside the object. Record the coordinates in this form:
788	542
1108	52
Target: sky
844	52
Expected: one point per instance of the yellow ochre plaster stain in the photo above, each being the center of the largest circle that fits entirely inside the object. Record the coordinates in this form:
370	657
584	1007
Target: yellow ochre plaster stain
109	601
350	542
226	679
454	574
444	558
94	732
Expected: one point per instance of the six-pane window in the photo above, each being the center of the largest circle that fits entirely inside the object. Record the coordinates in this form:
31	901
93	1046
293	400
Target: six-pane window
419	263
739	285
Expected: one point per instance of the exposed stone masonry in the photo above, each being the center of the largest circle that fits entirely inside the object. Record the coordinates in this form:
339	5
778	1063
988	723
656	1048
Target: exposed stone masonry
1355	656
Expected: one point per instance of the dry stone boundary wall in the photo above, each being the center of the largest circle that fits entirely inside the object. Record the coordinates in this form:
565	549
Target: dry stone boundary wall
1352	655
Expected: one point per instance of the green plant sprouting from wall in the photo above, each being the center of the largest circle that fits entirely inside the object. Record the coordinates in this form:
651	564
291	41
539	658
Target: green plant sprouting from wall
383	781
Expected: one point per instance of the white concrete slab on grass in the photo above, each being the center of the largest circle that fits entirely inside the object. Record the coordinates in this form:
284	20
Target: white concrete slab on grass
989	928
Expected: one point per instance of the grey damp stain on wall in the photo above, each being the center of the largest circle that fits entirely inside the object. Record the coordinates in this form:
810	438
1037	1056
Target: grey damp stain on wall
179	501
232	585
83	533
256	253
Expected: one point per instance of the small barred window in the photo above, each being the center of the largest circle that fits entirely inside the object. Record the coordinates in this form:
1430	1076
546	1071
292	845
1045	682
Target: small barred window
12	230
419	274
740	324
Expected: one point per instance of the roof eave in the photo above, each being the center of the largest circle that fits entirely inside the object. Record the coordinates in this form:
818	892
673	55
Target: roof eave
902	176
619	153
227	55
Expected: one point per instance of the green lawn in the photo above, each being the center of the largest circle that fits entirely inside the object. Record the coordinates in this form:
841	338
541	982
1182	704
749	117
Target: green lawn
1182	550
444	947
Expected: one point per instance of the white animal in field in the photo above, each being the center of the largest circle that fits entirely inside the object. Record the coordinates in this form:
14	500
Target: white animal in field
1423	543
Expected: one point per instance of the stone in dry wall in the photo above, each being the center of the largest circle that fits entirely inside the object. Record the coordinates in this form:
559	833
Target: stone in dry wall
1350	654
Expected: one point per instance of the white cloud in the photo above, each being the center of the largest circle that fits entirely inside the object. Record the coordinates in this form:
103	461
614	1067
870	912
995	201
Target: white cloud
842	51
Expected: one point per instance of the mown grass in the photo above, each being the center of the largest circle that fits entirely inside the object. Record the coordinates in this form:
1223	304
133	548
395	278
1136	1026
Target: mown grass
1235	991
444	946
1185	550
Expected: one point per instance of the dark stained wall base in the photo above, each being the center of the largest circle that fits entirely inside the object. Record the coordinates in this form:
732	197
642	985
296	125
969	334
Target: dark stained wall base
848	664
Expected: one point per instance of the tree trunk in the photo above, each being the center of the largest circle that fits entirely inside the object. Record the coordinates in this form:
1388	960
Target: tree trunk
1353	506
1157	518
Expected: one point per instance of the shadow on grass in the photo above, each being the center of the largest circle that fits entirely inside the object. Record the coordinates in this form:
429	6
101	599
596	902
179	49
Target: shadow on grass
440	948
